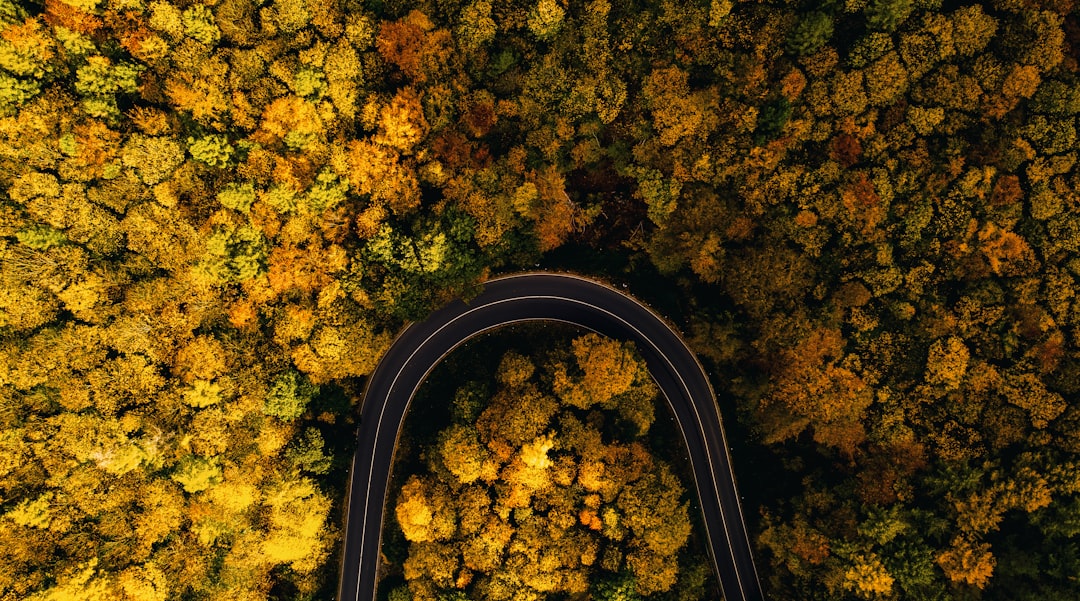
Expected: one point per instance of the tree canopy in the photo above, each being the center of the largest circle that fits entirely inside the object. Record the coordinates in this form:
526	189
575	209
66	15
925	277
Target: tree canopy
536	495
215	214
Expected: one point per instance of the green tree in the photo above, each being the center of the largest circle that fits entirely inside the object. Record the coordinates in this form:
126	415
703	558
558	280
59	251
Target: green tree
813	31
289	396
307	453
888	15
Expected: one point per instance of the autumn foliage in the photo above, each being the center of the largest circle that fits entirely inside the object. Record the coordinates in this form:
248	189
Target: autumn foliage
533	498
215	215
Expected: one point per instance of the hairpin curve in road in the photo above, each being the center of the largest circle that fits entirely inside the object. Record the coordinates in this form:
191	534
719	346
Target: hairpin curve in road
541	296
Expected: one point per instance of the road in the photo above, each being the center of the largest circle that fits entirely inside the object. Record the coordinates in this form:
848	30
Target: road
544	297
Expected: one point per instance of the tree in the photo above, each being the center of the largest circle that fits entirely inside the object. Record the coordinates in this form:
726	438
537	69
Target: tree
169	241
422	513
967	562
545	19
1028	392
401	122
376	171
291	120
621	588
464	456
677	112
297	530
811	33
652	509
83	583
947	362
145	583
289	396
608	370
476	27
197	474
307	454
515	417
414	45
888	15
868	577
818	391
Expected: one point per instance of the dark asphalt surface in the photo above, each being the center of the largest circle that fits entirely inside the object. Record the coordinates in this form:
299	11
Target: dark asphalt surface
556	297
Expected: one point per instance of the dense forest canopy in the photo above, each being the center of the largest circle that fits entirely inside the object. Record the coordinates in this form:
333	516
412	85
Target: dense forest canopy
545	483
214	216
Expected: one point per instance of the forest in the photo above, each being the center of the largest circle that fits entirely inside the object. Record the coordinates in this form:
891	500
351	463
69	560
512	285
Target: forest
216	214
542	480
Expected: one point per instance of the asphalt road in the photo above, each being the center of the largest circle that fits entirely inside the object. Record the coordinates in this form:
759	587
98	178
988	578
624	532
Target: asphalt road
551	297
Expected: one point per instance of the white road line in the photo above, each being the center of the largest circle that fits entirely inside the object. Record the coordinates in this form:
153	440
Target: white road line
639	333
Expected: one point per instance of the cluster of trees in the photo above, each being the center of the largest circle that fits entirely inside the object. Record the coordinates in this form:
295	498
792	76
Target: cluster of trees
548	486
214	214
885	204
209	229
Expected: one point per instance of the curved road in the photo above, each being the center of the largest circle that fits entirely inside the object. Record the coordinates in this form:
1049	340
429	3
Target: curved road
551	297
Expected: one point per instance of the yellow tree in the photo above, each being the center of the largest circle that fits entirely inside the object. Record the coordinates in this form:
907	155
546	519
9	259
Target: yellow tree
679	113
968	562
608	369
297	533
425	512
463	454
868	577
401	122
